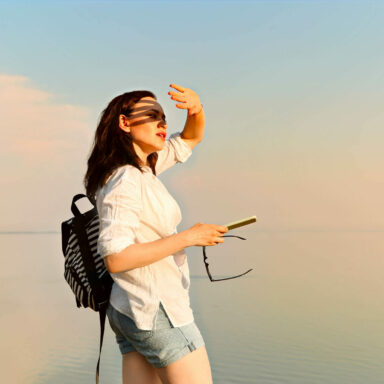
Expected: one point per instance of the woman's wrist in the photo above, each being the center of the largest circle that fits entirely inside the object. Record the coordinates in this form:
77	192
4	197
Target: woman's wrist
201	109
196	113
185	238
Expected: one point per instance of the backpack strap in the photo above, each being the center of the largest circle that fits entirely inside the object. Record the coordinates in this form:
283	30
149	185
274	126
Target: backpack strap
77	197
102	314
78	224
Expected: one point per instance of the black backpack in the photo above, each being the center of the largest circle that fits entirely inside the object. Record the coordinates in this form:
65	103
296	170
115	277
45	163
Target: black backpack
84	268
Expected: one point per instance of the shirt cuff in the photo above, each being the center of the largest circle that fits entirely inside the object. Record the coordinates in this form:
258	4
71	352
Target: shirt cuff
107	248
182	149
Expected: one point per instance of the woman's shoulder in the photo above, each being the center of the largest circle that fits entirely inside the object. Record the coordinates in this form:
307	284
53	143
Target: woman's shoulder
127	172
123	174
124	184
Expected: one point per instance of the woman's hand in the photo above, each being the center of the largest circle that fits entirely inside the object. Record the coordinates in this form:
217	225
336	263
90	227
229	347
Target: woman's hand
205	234
188	99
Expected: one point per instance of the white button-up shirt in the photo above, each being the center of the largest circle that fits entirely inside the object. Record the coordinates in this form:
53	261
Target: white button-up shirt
136	207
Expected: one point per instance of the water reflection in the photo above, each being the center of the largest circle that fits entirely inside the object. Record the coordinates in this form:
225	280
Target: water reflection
310	312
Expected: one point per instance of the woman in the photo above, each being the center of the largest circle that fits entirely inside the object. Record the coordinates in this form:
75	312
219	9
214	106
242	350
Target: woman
149	308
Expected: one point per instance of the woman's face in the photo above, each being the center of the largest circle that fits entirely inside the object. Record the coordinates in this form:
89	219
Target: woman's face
146	124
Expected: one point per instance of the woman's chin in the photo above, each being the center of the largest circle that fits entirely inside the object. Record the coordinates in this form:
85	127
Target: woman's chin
159	147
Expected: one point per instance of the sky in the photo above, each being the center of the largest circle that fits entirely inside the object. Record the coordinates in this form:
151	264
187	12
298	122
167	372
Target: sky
292	93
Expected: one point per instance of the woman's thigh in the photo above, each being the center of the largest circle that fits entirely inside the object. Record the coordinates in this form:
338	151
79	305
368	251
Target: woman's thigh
193	368
137	370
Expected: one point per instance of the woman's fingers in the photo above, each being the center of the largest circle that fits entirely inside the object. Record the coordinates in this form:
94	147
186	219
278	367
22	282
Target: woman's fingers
222	229
178	87
172	93
187	97
177	96
218	240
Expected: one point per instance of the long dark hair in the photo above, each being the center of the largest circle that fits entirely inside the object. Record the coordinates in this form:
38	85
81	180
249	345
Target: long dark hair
112	147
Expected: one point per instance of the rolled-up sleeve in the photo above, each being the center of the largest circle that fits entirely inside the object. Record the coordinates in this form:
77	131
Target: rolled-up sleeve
175	150
119	212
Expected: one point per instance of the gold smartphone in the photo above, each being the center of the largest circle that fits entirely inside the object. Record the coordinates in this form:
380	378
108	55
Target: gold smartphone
240	223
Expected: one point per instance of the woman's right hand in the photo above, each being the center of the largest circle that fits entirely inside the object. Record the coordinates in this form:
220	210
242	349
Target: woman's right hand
205	234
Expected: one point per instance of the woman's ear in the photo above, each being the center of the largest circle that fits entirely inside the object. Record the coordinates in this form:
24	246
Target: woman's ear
124	123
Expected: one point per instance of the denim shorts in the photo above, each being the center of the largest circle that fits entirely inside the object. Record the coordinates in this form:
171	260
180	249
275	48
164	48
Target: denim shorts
160	346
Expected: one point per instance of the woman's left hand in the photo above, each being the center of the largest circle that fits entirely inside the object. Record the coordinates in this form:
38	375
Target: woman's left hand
188	99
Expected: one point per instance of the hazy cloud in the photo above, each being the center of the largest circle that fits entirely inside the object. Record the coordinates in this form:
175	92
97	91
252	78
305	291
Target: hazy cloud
291	176
44	150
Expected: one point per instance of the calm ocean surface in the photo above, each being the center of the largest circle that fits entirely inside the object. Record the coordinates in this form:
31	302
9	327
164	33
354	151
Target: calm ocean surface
311	311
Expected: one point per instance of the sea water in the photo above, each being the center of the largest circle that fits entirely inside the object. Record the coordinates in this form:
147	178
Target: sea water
310	312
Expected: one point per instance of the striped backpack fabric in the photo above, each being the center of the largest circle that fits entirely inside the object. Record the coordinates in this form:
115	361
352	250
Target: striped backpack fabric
84	268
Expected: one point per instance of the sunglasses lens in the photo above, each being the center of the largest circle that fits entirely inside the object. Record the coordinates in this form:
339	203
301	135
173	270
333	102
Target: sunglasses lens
225	261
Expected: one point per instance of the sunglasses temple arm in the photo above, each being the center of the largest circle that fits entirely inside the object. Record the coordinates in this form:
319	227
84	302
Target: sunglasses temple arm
233	277
239	237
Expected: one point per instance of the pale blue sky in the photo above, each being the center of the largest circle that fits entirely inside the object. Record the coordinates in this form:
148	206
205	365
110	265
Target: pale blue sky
293	93
79	50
